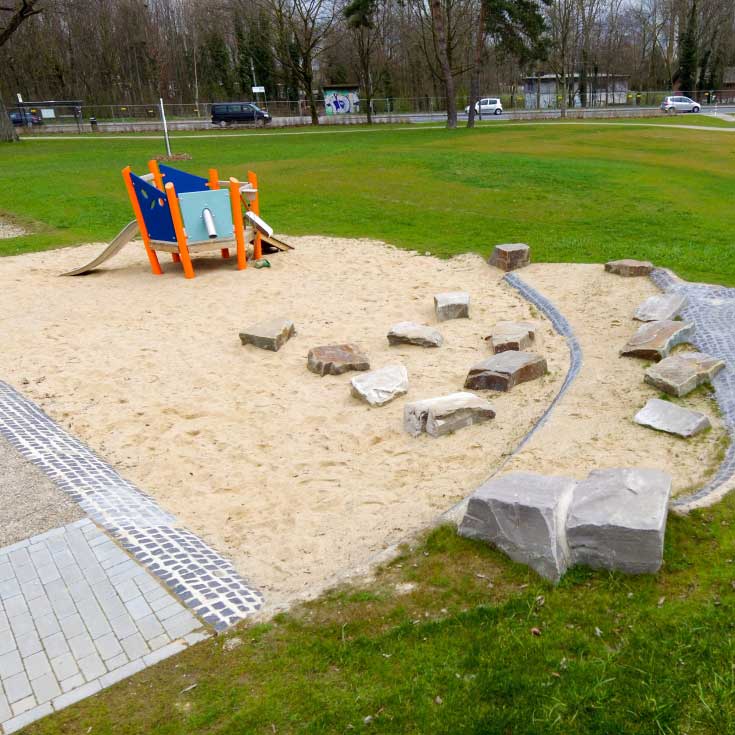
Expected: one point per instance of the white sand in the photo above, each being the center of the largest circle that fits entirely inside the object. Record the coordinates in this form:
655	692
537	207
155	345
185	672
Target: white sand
8	230
281	469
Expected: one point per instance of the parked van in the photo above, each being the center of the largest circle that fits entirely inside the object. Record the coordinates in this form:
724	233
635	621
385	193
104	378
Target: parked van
229	113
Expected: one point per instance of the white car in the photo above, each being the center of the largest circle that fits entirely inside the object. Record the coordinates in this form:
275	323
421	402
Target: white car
487	106
679	104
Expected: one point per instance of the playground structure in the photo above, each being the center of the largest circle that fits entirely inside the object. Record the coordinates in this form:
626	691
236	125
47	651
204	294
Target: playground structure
183	214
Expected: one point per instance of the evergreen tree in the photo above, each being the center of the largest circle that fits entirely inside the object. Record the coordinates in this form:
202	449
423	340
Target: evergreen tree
686	75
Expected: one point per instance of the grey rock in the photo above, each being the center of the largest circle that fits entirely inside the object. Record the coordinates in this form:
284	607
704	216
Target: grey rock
410	333
654	340
269	335
673	419
660	308
510	257
617	519
518	336
381	386
336	359
452	305
507	369
681	373
524	515
446	414
629	268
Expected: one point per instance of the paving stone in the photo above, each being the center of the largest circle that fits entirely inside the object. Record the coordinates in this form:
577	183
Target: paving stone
505	370
410	333
628	267
45	687
16	687
135	646
682	372
64	666
336	359
26	718
37	665
22	624
28	644
91	666
181	624
164	613
378	387
150	627
159	641
163	653
72	682
72	625
269	335
452	305
76	695
82	645
510	257
10	664
446	414
617	519
108	646
56	645
518	336
116	661
16	606
673	419
9	588
654	340
123	672
661	307
123	625
523	514
5	712
23	705
138	608
7	644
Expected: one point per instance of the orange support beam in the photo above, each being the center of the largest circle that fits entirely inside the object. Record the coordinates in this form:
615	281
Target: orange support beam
238	223
173	204
150	252
214	185
255	207
158	181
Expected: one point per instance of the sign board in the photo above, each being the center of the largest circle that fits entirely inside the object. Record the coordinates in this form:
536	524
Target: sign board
258	90
48	113
20	99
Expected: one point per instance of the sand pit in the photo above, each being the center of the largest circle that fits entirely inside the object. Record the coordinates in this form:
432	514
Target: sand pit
278	468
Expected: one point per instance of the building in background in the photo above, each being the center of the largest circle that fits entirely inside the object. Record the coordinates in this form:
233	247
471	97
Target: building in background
545	90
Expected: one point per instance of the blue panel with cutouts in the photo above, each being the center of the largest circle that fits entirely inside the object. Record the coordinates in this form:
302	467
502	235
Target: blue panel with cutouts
182	181
155	209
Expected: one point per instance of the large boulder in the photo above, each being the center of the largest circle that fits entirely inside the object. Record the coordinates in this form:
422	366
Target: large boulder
510	257
681	373
523	514
517	336
629	268
336	359
660	308
654	340
446	414
452	305
269	335
617	520
381	386
673	419
503	371
410	333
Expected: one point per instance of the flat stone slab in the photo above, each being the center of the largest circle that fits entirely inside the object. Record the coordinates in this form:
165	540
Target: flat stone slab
381	386
452	305
654	340
446	414
518	336
660	308
410	333
673	419
336	359
523	514
617	520
629	268
269	335
505	370
510	257
681	373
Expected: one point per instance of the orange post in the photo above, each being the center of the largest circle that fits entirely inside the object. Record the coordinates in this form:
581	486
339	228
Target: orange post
238	223
158	181
255	207
150	252
173	204
214	185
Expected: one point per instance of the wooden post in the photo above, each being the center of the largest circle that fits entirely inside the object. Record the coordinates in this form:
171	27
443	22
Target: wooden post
152	257
255	207
238	223
173	204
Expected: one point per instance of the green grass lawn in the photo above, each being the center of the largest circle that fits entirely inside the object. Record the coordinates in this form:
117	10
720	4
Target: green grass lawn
587	192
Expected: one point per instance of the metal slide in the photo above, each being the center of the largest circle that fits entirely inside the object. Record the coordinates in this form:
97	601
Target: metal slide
128	233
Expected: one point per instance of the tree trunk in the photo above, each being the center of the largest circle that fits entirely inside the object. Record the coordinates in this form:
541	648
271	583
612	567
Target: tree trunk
437	17
475	78
309	89
7	129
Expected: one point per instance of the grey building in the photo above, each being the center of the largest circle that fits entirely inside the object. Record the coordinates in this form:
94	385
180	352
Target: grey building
545	90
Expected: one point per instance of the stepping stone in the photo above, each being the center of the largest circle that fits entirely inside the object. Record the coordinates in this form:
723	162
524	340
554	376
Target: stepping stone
654	340
523	514
660	308
503	371
617	520
516	336
336	359
381	386
410	333
446	414
628	267
269	335
673	419
510	257
681	373
452	305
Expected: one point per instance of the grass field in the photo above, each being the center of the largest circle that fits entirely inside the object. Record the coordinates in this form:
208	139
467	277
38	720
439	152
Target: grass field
587	192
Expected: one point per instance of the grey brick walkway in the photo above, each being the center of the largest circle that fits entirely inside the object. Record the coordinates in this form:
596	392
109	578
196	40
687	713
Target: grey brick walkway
78	614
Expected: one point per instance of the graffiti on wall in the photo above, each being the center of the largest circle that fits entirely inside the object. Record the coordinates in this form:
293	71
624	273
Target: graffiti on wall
341	101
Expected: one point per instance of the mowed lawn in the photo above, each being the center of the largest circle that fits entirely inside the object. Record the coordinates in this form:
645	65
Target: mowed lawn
587	192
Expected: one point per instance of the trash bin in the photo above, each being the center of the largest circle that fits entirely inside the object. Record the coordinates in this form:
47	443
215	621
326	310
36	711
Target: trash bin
93	124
